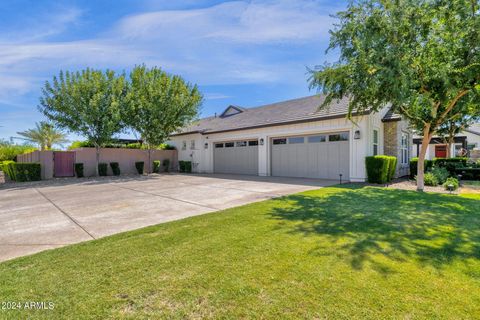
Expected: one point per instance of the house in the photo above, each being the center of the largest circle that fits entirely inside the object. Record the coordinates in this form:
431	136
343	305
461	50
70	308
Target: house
294	139
465	141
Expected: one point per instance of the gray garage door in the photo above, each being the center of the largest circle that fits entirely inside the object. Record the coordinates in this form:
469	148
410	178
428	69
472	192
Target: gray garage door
239	157
322	156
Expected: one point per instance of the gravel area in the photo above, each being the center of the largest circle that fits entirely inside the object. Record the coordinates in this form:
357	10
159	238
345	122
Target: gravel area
405	184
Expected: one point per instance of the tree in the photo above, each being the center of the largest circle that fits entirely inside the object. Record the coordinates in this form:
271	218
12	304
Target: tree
45	135
88	103
421	57
159	104
9	151
450	128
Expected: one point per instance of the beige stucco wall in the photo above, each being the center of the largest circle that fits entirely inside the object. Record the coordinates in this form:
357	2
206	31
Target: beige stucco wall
126	158
45	158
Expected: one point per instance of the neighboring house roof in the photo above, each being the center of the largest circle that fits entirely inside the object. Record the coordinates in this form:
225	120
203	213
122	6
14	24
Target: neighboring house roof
391	116
292	111
472	132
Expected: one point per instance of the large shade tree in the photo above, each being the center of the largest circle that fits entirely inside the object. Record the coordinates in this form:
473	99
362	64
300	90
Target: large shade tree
88	103
45	135
159	104
422	57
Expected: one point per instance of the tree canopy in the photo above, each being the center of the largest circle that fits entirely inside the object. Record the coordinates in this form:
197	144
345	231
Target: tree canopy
45	135
421	57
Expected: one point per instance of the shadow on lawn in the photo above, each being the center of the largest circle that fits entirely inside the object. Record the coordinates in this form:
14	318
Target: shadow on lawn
362	223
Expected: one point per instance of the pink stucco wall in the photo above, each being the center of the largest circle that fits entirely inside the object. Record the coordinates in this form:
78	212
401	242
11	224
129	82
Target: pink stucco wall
126	158
45	158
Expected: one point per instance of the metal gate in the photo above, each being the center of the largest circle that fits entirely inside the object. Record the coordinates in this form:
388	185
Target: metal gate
63	164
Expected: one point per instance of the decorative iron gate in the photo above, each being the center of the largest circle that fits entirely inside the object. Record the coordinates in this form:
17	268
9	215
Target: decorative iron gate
63	163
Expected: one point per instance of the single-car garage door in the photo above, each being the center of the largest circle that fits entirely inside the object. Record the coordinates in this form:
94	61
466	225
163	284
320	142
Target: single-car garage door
324	156
239	157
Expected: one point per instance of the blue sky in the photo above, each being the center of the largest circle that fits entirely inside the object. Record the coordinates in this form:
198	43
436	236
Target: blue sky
246	53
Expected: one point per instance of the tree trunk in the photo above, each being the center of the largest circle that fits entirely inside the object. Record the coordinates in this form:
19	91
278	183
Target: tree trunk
421	158
449	147
97	159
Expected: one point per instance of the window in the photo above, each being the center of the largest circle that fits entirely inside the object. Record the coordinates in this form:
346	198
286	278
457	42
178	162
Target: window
314	139
280	141
228	144
404	148
375	142
192	145
253	143
184	145
241	143
338	137
218	145
296	140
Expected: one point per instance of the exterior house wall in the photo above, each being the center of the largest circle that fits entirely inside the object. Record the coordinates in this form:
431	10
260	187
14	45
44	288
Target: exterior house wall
202	158
393	144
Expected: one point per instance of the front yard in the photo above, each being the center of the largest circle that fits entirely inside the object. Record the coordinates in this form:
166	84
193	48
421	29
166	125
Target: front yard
339	252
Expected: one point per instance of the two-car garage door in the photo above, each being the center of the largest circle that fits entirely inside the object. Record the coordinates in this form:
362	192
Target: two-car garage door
323	156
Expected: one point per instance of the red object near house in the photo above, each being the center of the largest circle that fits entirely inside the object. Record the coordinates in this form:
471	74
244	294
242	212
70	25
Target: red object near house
441	151
63	164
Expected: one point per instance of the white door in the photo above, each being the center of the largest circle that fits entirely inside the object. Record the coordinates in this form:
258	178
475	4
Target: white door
239	157
323	156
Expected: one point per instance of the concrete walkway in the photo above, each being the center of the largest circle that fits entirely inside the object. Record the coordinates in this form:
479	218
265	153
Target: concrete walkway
55	213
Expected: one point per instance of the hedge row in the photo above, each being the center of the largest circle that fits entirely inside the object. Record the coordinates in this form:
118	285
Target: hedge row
380	169
22	172
427	165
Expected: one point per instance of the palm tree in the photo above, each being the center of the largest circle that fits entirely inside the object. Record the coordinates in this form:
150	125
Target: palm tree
45	135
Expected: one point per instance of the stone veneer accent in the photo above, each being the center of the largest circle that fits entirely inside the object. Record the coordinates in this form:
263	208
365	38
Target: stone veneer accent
390	138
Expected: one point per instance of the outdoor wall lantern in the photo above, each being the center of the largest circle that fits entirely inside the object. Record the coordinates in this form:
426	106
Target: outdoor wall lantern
356	135
206	145
262	141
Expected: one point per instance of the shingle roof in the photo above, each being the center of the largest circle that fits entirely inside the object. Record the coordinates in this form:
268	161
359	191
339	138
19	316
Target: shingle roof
296	110
391	116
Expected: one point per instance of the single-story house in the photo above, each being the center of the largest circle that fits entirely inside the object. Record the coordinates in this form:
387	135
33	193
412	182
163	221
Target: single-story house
294	138
465	141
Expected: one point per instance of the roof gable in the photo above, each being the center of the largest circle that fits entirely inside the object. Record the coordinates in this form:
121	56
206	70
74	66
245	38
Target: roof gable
231	110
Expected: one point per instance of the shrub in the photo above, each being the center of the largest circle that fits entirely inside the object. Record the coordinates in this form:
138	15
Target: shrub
451	182
428	164
165	146
188	166
22	172
115	168
430	179
9	151
181	166
156	166
79	170
139	165
102	169
443	162
468	173
166	164
441	174
392	168
378	168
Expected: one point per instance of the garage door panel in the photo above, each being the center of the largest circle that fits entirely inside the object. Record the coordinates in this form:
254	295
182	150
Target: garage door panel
315	158
236	159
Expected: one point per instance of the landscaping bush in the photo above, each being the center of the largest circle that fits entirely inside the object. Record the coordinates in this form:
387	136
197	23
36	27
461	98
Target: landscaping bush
166	164
102	169
451	182
181	166
443	162
378	168
139	165
430	179
156	166
468	173
392	168
428	164
188	166
79	170
22	172
115	168
441	174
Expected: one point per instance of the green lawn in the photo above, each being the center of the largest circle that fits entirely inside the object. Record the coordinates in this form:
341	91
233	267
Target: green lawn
340	252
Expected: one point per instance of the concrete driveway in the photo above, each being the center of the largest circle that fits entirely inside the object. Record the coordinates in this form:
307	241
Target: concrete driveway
55	213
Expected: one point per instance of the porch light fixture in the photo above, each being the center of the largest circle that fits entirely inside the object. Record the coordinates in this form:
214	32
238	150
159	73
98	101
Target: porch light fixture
356	135
262	141
206	145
